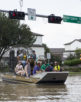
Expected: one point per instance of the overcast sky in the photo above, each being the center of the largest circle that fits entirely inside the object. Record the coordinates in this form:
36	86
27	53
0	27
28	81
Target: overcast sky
55	35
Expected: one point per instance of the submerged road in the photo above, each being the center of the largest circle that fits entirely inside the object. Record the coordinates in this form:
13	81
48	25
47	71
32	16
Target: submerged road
69	92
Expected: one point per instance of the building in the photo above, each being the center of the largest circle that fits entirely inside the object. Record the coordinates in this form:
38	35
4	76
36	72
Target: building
37	47
71	47
57	51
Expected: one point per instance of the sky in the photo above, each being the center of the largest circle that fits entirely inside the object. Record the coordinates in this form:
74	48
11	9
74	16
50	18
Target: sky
55	35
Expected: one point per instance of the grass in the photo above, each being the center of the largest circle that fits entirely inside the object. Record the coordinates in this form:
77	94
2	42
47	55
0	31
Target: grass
72	69
75	73
4	69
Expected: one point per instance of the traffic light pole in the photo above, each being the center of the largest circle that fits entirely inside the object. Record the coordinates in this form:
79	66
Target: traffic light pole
21	15
37	15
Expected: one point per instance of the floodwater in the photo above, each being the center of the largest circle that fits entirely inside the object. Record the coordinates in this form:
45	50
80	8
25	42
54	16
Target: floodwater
69	92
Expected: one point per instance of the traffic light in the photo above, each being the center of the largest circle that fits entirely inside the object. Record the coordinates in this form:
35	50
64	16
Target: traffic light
54	19
16	15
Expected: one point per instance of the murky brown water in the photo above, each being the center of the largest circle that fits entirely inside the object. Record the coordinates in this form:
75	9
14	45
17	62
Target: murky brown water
69	92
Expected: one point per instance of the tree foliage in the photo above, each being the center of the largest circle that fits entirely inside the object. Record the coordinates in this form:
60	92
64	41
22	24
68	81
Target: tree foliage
47	50
77	53
53	57
56	58
70	57
73	59
13	33
72	62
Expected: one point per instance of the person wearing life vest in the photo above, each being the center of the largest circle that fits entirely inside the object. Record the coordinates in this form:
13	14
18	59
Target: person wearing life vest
56	67
22	57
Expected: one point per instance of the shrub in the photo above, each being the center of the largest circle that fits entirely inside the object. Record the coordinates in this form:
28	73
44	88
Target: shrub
72	62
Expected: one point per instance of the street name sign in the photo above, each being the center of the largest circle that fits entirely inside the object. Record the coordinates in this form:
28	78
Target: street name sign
72	19
31	14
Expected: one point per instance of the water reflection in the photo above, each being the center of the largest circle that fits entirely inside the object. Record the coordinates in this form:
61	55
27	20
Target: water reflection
70	92
27	92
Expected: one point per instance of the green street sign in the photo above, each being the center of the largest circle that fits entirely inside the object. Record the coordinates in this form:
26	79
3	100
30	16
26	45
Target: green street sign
72	19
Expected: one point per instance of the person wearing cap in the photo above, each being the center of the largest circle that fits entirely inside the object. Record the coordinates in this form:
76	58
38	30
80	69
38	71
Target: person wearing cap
56	67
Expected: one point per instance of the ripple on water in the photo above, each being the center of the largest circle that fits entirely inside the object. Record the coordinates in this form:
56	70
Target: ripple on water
70	92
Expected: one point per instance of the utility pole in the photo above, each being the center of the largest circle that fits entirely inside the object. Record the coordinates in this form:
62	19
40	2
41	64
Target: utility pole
21	4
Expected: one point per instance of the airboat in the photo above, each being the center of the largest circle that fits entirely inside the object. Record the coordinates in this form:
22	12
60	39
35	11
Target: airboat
40	78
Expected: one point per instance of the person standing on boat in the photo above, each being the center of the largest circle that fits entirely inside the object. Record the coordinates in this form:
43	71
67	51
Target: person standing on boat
22	56
56	67
34	55
27	68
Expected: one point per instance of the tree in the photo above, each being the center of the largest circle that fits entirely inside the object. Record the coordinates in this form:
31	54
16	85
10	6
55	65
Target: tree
13	33
70	57
53	57
47	50
77	53
56	58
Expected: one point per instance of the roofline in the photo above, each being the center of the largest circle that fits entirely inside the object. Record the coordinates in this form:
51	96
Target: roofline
70	51
57	48
36	45
72	41
37	34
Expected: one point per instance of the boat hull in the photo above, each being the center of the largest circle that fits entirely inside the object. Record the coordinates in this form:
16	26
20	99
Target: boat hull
53	77
44	77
